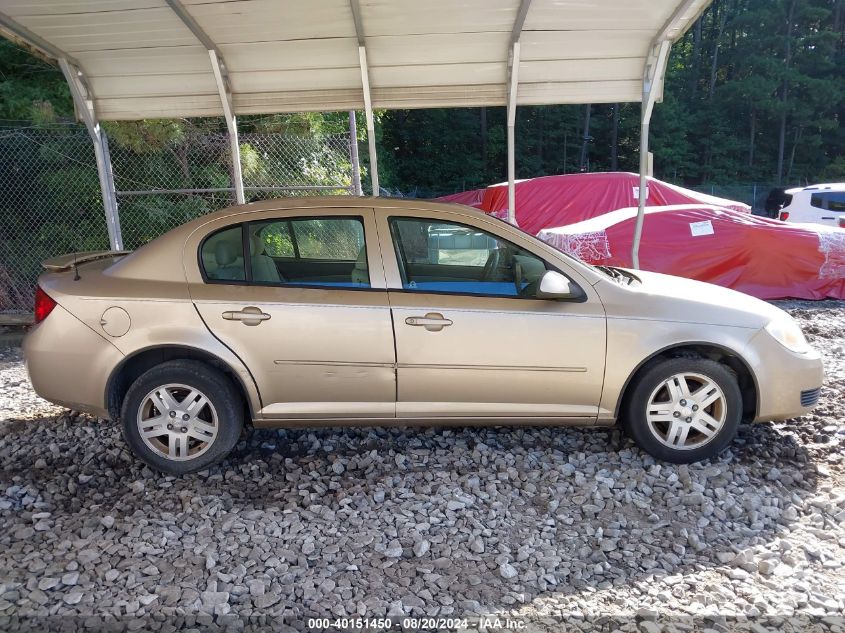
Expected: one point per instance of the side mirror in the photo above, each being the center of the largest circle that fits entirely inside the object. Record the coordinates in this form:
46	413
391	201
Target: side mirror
553	285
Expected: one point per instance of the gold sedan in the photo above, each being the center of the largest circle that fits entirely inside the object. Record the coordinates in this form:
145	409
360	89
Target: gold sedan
348	311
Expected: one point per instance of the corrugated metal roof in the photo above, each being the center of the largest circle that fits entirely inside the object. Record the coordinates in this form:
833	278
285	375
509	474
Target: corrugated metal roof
141	60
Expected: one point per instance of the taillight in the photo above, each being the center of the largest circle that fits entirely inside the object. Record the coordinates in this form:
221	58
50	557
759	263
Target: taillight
784	215
44	304
842	221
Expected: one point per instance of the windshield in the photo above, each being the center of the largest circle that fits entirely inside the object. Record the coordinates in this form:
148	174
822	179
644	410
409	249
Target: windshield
618	275
537	239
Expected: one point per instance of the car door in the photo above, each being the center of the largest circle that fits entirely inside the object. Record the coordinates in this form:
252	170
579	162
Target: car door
300	296
467	344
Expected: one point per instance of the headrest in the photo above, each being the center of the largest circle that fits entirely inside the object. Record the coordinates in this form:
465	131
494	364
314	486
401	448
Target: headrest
225	253
257	245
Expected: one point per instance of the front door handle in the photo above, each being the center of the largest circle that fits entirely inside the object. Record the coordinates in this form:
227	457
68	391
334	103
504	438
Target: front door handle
248	316
433	321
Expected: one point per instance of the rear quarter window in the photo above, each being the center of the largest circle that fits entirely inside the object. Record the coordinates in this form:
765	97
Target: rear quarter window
222	255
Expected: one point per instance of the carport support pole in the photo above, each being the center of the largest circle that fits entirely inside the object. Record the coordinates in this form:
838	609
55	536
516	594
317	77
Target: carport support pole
513	84
365	88
220	78
652	90
353	154
371	126
511	175
513	87
85	108
642	193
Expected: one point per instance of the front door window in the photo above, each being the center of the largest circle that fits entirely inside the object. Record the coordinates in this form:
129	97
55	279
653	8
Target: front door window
438	256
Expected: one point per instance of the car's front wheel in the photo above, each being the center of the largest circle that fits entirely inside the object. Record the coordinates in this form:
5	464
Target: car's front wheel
182	416
683	410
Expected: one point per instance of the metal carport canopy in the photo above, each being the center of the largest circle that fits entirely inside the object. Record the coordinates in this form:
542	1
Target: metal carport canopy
139	59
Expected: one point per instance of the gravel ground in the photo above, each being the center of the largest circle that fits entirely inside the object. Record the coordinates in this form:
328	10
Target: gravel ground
541	524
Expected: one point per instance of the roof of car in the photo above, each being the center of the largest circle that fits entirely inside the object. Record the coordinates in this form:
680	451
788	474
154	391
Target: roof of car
833	186
329	202
346	202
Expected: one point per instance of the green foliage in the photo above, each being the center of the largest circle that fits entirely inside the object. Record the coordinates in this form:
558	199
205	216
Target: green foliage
144	218
835	172
252	167
146	137
299	123
277	240
46	202
27	83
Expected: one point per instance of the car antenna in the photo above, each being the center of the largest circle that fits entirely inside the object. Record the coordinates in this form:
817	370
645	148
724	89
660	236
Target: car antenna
76	276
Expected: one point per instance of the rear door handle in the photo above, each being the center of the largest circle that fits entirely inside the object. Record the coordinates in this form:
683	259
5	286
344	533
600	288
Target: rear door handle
248	316
433	321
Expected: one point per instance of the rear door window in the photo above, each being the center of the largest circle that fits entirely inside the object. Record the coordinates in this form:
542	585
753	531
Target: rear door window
322	251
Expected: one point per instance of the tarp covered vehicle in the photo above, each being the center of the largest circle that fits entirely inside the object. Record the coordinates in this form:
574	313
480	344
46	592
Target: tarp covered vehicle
766	258
551	201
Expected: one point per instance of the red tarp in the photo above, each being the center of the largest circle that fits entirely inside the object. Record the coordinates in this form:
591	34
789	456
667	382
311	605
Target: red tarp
471	198
765	258
557	200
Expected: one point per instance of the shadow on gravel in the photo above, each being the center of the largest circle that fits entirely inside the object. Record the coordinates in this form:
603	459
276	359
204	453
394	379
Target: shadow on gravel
427	521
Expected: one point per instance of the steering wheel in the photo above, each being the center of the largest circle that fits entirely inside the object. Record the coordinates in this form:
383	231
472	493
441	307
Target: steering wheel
517	278
494	262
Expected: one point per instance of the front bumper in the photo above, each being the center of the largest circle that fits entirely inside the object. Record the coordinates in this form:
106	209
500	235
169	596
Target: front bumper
788	384
69	364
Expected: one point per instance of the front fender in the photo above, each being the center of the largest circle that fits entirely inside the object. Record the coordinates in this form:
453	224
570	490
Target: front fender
632	342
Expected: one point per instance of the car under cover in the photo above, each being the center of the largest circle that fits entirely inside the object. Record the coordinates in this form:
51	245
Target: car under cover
765	258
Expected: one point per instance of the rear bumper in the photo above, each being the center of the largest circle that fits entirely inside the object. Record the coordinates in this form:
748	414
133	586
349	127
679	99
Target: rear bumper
788	384
69	364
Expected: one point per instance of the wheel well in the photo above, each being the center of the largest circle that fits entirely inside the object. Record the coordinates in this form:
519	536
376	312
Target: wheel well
134	366
747	382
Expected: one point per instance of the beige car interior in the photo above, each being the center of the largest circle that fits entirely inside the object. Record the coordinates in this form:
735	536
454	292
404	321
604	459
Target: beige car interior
264	269
223	256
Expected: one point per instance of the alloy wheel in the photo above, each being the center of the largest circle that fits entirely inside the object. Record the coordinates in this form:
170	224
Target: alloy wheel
177	422
686	411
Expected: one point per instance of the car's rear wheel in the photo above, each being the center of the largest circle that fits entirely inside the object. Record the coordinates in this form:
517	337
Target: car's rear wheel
683	410
182	416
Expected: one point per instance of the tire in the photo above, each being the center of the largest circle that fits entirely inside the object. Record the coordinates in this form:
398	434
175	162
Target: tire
655	419
160	397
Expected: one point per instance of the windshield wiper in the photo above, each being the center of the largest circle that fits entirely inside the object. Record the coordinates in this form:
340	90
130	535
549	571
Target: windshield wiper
618	274
610	272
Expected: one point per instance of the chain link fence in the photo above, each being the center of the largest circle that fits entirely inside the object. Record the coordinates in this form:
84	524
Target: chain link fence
754	194
49	204
50	200
159	191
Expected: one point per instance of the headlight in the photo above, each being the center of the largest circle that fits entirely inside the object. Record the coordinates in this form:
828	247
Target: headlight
788	333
